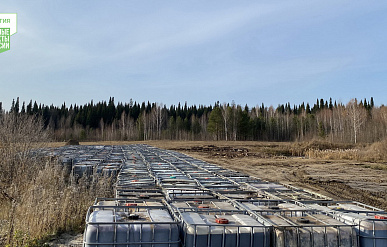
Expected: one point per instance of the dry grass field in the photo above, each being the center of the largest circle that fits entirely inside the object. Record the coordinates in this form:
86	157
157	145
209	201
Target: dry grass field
344	172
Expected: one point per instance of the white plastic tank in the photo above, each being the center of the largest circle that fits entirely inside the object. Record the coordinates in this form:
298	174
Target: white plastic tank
83	170
372	229
152	227
204	205
310	230
237	230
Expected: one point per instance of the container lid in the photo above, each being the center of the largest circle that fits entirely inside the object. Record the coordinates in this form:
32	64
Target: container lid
221	221
381	217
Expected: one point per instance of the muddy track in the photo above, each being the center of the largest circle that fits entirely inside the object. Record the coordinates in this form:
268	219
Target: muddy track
342	191
215	151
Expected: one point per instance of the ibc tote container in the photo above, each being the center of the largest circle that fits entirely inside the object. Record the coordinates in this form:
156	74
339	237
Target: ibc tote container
256	204
115	159
202	229
353	206
151	193
80	170
161	165
239	194
219	185
272	206
209	178
128	174
166	173
371	228
293	228
113	226
187	194
110	171
211	168
246	179
264	186
231	173
97	159
132	204
202	205
299	195
66	163
135	182
184	166
335	207
175	182
199	174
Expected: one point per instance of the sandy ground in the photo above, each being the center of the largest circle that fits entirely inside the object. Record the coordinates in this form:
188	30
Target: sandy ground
67	240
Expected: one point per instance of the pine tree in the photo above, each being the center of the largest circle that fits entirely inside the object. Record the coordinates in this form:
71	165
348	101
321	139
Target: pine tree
12	106
29	108
307	108
321	104
17	106
243	123
35	109
23	109
330	104
365	104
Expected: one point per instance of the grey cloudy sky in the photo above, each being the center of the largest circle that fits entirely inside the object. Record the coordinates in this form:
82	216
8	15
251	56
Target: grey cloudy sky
252	52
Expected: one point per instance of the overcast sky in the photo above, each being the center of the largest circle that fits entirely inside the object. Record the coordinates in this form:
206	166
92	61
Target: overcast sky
252	52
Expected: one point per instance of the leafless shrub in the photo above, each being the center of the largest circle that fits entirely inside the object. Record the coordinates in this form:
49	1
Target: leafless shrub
36	200
334	154
378	151
318	148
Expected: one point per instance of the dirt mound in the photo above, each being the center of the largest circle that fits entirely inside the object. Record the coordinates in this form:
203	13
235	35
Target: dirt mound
72	142
301	148
213	150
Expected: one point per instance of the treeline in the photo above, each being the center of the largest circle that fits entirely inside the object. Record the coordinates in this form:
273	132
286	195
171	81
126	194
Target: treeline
356	121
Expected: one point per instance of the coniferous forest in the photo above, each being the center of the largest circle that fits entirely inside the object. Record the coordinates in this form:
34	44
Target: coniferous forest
353	122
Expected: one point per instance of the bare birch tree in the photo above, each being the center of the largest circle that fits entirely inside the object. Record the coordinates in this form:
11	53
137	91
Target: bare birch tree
357	115
225	115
